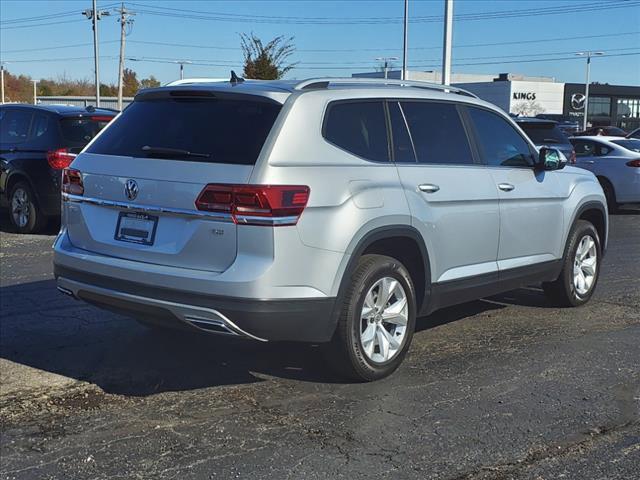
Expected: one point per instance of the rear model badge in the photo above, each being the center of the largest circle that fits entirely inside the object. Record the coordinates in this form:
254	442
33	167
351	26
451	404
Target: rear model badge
131	189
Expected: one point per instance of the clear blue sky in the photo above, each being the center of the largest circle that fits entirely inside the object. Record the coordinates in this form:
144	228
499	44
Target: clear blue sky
374	29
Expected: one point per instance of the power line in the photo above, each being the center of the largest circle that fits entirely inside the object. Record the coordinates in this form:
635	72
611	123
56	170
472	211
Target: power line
68	13
239	18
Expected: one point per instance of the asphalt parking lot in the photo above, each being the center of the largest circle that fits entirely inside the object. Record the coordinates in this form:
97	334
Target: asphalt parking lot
508	387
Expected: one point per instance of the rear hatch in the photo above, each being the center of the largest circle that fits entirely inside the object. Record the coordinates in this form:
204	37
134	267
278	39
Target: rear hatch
77	131
143	174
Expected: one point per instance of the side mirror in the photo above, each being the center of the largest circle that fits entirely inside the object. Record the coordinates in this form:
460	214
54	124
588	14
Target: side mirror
551	159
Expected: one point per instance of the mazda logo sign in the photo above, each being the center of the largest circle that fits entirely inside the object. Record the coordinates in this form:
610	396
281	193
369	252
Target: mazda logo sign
577	101
131	189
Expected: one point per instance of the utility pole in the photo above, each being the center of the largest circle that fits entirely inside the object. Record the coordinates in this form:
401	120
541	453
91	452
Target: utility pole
182	63
386	61
94	15
35	92
586	85
406	40
2	82
124	21
448	34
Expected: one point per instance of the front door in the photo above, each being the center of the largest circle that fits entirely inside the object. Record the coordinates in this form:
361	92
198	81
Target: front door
531	216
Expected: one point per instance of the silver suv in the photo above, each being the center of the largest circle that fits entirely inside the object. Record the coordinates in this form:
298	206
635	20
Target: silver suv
330	211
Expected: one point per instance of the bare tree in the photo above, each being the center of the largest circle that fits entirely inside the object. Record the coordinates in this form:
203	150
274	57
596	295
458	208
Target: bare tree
266	61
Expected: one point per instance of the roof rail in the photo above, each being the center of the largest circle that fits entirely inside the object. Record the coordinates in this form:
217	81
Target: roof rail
188	81
318	83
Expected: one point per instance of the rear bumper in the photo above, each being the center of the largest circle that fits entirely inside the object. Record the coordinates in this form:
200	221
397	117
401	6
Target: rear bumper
303	320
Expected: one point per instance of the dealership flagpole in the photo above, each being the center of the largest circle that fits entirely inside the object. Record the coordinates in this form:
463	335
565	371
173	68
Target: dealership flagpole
406	40
586	85
448	34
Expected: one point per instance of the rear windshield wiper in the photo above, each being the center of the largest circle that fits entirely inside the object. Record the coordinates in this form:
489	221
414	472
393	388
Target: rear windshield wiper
171	152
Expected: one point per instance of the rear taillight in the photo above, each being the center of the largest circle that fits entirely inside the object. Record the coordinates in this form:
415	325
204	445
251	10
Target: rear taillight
72	182
60	158
572	157
634	163
271	205
101	119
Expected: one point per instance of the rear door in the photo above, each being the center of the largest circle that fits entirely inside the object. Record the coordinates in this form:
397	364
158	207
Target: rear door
143	173
451	196
531	217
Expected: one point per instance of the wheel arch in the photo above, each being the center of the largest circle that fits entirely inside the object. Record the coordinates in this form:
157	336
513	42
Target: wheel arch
402	242
596	214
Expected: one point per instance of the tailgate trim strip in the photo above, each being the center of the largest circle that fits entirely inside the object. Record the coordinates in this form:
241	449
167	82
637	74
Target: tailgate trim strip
181	212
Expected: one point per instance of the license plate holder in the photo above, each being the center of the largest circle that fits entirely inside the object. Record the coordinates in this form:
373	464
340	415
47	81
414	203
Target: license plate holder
136	228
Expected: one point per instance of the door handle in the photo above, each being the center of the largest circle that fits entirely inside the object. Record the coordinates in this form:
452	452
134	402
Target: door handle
506	187
428	188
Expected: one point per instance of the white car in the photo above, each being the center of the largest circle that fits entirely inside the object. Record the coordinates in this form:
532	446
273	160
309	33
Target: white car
616	163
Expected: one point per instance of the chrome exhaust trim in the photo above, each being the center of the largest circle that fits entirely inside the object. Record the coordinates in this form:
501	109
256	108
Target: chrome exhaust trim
66	291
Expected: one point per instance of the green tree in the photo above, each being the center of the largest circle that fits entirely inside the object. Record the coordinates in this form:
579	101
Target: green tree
266	61
150	82
130	83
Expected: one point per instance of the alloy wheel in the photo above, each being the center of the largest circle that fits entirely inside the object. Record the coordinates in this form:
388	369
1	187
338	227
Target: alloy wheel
585	265
20	207
383	320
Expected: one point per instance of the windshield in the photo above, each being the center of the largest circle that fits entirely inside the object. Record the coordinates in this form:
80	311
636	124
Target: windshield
544	133
630	144
194	129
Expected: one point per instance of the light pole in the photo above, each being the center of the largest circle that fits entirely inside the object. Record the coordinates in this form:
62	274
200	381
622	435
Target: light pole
446	44
405	40
35	92
2	81
386	61
182	63
94	15
588	55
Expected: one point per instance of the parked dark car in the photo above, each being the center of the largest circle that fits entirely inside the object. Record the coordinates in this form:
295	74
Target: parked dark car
565	123
547	133
607	131
634	134
36	143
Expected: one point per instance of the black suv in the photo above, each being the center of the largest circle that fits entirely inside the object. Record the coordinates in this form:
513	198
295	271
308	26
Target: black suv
547	133
36	143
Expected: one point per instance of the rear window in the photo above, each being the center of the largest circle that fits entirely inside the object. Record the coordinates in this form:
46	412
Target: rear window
78	131
630	144
209	129
544	133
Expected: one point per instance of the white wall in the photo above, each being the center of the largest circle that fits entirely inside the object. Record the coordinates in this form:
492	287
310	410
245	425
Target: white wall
531	98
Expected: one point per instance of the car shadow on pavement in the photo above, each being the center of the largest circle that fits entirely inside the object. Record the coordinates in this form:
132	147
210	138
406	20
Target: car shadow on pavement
43	329
52	227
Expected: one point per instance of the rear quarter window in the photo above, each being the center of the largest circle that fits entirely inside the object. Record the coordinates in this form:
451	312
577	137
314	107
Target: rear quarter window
358	127
218	130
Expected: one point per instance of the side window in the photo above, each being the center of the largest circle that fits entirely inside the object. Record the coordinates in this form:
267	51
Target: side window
359	128
15	126
584	148
40	126
437	133
602	150
402	145
499	143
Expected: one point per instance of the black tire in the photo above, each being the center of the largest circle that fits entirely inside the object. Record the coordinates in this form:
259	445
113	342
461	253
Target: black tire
562	291
610	194
345	353
21	194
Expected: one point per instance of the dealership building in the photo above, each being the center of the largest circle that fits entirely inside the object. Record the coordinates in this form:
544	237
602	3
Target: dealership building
523	95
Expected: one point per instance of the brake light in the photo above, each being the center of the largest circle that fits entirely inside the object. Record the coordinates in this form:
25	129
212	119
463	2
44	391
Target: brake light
72	182
101	119
572	157
60	158
634	163
271	205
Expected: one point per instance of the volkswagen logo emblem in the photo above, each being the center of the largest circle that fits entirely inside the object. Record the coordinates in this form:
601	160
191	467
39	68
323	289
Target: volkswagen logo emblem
131	189
577	101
